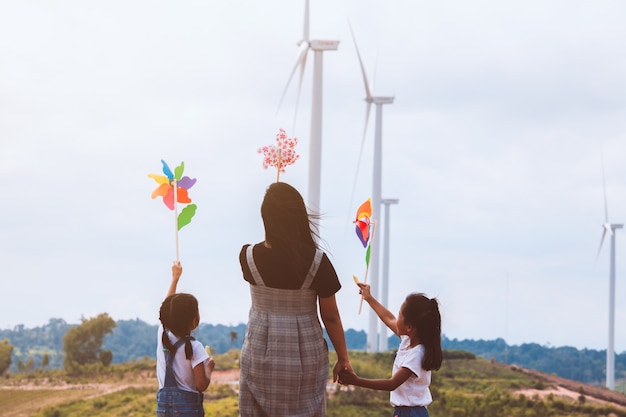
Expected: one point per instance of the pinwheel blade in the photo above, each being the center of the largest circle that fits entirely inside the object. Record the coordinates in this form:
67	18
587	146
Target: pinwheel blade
185	216
186	182
167	171
178	171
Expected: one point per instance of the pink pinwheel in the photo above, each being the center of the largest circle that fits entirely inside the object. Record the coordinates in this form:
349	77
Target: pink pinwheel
280	155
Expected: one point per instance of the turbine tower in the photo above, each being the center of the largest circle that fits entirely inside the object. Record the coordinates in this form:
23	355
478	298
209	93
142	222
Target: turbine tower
315	159
610	228
372	336
384	298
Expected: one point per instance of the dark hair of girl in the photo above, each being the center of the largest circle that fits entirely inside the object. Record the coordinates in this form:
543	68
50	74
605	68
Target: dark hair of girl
423	313
288	225
178	314
285	217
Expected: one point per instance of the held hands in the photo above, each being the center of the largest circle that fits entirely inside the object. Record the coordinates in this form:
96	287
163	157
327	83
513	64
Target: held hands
341	366
347	377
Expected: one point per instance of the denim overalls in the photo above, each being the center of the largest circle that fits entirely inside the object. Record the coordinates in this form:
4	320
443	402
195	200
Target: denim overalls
173	401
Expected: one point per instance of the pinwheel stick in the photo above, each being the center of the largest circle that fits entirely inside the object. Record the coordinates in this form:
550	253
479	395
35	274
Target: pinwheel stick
367	265
175	185
279	164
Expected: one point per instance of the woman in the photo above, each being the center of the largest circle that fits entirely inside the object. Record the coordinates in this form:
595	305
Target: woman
284	358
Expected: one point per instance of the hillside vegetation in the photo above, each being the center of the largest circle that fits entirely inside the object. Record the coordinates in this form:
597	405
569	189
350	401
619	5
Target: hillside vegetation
132	340
466	385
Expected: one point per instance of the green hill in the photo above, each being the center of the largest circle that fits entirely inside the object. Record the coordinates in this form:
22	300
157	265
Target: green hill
134	339
466	385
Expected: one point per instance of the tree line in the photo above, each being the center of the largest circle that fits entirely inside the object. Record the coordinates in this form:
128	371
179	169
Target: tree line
100	341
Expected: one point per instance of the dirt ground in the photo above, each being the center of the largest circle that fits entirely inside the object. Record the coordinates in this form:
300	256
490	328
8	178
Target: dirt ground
568	389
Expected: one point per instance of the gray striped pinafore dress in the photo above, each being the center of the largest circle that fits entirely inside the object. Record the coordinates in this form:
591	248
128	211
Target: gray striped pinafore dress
284	357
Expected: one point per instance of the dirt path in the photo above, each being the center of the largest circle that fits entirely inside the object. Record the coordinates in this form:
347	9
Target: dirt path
566	388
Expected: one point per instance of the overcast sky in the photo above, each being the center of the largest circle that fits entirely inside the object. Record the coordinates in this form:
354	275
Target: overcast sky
493	145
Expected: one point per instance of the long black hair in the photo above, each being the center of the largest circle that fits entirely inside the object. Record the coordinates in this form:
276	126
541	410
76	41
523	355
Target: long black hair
423	313
178	314
288	225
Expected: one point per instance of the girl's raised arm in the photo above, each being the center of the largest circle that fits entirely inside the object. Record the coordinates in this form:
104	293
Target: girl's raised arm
177	271
385	315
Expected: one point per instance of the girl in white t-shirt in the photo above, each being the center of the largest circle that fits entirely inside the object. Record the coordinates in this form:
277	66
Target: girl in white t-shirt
419	327
184	367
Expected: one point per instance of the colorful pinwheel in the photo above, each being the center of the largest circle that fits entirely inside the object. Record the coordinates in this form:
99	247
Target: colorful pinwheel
363	215
280	155
173	187
363	223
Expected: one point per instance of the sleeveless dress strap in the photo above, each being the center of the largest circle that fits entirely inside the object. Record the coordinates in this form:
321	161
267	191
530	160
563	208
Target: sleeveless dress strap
255	273
317	259
170	380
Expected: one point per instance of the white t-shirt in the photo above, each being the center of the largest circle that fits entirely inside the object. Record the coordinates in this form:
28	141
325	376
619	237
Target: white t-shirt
183	368
414	391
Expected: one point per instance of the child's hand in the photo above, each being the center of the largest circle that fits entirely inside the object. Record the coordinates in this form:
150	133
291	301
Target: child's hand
209	364
364	290
177	270
347	377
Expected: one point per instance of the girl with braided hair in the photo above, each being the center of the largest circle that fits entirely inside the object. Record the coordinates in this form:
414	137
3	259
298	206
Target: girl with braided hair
419	327
184	367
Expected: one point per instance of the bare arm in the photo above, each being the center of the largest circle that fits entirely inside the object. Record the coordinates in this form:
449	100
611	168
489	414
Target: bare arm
385	315
334	328
202	374
177	271
391	384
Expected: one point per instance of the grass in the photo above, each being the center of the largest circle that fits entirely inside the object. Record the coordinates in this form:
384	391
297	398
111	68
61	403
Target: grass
465	386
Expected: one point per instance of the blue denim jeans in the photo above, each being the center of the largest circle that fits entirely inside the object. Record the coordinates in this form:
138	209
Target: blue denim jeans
417	411
173	401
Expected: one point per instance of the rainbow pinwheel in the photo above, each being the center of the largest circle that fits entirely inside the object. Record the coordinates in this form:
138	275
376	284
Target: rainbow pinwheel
363	223
363	215
280	155
173	187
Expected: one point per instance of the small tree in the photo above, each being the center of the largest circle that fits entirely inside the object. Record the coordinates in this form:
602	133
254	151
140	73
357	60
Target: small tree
233	337
45	361
83	344
6	350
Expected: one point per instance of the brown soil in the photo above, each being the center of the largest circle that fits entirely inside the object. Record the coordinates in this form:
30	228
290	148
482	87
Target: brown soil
566	388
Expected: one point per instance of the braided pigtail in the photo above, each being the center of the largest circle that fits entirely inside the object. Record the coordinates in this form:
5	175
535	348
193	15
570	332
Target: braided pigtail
188	349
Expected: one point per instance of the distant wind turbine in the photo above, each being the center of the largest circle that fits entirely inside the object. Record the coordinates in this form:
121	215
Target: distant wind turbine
372	336
315	154
609	228
384	298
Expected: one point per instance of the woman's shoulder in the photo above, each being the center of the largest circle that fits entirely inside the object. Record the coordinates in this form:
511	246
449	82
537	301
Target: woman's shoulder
244	248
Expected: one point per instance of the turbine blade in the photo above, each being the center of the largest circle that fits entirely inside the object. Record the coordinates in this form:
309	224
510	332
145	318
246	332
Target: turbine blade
300	62
368	107
368	94
305	31
358	164
601	241
303	57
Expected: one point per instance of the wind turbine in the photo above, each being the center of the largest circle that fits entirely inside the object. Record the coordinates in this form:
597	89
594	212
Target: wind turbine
384	298
379	101
315	159
609	228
